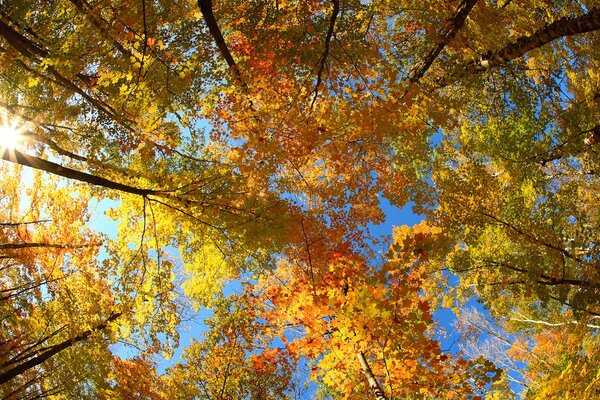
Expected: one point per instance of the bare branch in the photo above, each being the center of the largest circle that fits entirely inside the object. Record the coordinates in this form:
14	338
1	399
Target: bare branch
534	321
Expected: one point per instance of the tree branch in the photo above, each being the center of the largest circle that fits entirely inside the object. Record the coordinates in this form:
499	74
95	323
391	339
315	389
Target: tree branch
100	24
215	32
534	239
50	351
26	160
368	373
566	26
534	321
13	224
557	152
547	279
54	146
334	14
37	53
453	25
17	246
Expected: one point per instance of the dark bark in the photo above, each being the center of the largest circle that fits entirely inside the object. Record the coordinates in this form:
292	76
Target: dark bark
544	279
534	239
558	152
56	169
98	104
18	290
23	45
453	25
18	246
30	348
57	148
37	53
51	351
13	224
215	32
328	36
47	393
26	385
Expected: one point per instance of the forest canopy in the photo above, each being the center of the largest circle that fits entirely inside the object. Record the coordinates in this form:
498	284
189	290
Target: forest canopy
163	160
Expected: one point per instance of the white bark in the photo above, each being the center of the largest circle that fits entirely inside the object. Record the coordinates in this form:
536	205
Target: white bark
368	373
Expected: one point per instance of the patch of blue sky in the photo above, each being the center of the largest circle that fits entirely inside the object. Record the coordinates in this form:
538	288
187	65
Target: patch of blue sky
193	327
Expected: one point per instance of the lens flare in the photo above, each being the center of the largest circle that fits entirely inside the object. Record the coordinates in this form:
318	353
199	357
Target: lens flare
9	137
11	131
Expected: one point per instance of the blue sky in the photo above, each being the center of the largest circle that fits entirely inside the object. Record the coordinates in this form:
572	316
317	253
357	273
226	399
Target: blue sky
193	328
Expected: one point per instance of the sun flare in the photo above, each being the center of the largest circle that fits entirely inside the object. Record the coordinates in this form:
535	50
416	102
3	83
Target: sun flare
9	137
11	132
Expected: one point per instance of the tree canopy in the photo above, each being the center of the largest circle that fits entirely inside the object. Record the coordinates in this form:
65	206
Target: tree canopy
245	152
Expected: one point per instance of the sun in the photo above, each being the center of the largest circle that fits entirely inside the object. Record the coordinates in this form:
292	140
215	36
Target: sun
11	132
9	136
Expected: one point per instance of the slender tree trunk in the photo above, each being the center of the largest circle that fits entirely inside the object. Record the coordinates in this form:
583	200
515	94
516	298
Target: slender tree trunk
210	20
373	384
328	36
445	36
51	351
26	160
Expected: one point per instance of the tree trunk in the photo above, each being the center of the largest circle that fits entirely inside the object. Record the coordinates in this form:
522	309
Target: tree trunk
445	36
563	27
26	160
566	26
51	351
209	17
328	36
373	384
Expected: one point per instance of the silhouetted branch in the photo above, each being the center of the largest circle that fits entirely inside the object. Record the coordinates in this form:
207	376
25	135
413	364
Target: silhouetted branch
334	14
445	36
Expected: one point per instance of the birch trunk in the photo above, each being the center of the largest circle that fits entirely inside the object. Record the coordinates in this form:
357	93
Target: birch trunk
373	384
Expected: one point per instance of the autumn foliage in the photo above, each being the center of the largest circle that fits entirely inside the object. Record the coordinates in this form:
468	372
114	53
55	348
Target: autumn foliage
205	182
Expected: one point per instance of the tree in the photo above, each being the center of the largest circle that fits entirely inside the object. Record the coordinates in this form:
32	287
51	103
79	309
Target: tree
255	141
353	320
537	359
518	192
235	359
55	296
69	108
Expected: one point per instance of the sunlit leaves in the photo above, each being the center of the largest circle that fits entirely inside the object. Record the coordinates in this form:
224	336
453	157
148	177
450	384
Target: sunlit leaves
270	166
